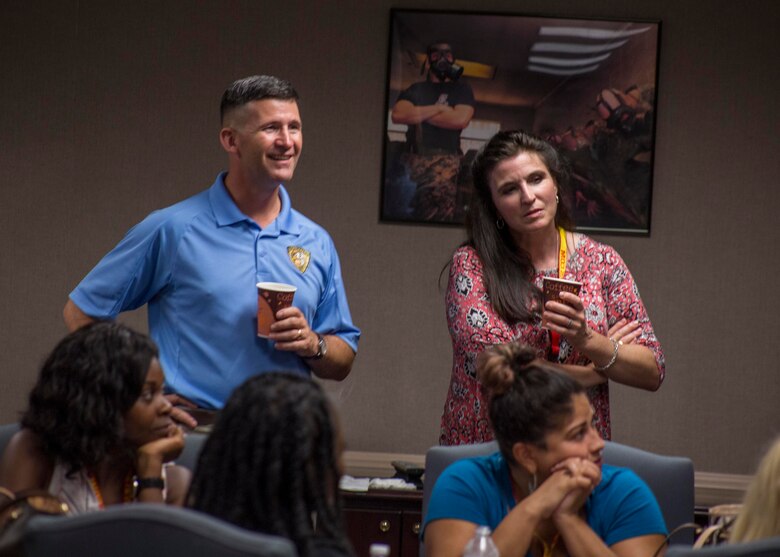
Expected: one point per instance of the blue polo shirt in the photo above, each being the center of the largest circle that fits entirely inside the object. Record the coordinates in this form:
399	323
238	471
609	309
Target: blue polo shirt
479	490
196	264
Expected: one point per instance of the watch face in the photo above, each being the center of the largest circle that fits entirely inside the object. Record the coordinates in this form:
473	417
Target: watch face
323	346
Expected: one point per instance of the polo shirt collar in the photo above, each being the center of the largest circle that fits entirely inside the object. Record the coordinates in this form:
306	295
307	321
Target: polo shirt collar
226	212
286	221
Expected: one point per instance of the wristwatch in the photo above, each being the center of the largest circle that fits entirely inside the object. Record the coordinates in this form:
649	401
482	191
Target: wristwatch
149	483
322	349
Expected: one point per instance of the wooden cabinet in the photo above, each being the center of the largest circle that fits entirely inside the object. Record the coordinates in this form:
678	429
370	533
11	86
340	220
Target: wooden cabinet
384	516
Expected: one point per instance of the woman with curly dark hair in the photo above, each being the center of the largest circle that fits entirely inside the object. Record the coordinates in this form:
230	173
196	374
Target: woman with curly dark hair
272	464
97	430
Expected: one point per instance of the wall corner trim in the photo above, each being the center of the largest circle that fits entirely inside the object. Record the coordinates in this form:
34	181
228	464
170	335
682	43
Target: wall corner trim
713	488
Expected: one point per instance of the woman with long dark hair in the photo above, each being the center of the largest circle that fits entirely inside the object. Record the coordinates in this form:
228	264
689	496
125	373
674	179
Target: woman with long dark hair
272	464
546	492
97	430
518	233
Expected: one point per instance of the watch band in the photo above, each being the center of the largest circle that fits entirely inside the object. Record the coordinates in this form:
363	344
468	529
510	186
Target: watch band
322	349
153	483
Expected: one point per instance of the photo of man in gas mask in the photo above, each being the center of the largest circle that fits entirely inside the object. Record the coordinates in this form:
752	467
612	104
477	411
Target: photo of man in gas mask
436	111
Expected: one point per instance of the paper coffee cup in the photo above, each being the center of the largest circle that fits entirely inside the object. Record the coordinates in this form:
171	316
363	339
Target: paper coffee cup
271	297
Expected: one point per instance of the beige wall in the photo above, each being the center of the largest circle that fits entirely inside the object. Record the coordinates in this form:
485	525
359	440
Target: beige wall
109	110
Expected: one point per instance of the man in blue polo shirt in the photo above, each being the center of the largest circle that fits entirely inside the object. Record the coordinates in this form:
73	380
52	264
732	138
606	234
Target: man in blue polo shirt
197	262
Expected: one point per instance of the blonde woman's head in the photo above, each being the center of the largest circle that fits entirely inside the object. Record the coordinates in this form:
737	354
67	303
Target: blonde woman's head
760	515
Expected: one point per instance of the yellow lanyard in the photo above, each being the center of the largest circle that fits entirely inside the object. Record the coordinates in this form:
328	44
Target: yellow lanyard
127	495
555	338
562	253
547	549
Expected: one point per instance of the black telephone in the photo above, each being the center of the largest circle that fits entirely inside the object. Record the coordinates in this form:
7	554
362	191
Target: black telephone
409	472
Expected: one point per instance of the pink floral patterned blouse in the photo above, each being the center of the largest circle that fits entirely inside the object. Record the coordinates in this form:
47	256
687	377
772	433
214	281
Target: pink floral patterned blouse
608	292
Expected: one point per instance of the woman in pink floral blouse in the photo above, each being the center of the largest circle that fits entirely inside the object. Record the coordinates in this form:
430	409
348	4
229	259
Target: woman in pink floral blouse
518	233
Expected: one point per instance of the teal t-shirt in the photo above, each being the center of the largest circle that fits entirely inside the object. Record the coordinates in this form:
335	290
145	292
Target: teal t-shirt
479	490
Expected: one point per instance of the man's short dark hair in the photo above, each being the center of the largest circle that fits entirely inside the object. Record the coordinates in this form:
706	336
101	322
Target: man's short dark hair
255	88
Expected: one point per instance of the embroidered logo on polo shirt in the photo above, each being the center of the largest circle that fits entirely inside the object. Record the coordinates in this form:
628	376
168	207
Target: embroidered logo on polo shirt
299	257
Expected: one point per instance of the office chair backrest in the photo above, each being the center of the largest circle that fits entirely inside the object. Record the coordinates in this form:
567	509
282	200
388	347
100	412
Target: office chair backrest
769	547
670	478
193	444
188	458
6	432
439	457
147	529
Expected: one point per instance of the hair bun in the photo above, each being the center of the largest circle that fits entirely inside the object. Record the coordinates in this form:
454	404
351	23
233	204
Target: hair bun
521	355
498	365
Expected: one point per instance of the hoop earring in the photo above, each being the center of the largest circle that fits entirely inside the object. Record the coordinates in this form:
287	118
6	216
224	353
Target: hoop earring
556	199
500	224
532	484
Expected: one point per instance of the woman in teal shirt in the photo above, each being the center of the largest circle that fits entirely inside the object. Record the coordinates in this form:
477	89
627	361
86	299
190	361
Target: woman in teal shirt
546	493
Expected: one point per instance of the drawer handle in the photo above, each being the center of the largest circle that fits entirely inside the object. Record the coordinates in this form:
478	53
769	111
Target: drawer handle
384	526
416	528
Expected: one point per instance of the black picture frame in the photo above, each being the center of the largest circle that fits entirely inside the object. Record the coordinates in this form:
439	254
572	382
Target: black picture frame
589	86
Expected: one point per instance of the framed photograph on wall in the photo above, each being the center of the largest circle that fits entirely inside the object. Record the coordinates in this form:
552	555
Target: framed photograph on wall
588	86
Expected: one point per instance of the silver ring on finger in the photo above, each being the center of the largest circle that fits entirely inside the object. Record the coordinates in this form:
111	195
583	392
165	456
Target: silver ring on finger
569	324
298	336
